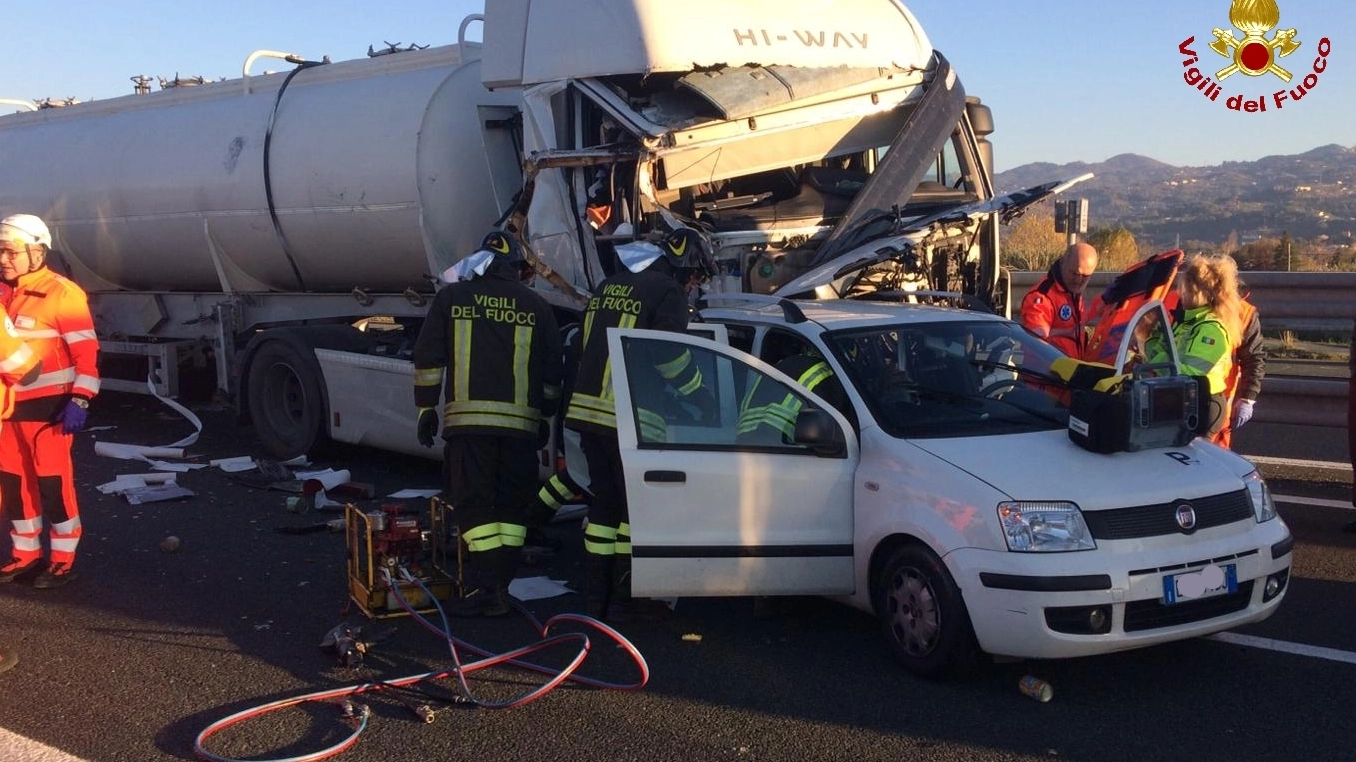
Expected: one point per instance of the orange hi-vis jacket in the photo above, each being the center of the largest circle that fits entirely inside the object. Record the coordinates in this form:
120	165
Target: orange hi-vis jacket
16	360
1051	312
51	313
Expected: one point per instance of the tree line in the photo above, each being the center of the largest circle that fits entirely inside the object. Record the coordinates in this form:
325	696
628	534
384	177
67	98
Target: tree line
1031	243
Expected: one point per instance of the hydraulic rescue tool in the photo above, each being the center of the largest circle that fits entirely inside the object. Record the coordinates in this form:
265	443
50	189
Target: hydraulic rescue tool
390	553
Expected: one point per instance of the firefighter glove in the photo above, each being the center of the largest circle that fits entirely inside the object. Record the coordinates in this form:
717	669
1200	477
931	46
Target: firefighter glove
1242	413
72	417
428	426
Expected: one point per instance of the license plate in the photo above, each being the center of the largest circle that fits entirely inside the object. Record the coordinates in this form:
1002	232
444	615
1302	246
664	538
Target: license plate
1200	583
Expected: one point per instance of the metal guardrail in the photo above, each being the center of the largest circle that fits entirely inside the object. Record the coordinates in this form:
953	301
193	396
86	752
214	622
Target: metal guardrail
1303	401
1285	301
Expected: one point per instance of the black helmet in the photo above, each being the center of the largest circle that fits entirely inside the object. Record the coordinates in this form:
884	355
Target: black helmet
505	246
685	249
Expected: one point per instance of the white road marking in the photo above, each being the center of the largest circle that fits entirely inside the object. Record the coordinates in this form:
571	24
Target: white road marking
1325	465
1300	649
16	748
1313	501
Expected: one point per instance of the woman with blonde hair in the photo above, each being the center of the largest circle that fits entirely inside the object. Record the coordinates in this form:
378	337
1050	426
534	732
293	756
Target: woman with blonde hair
1207	287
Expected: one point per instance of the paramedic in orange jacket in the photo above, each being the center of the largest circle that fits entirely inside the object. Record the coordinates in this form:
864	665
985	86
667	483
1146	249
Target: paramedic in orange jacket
1053	309
37	489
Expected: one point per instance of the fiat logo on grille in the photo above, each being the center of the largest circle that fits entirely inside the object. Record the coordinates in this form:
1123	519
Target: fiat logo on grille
1186	517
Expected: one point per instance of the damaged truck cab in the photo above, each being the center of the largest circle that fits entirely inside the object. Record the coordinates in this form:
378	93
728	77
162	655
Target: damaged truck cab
789	135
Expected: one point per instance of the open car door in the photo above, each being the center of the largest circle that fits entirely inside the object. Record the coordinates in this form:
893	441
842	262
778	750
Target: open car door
719	512
1148	323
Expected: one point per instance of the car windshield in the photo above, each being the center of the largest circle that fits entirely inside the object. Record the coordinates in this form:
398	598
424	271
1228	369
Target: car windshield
954	379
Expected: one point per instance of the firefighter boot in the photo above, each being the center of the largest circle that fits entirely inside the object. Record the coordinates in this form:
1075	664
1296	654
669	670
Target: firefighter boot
597	585
481	594
623	607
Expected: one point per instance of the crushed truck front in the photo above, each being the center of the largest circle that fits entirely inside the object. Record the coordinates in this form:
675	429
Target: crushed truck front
784	142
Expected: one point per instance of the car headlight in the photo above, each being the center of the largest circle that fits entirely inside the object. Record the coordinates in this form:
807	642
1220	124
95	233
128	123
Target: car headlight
1263	507
1044	527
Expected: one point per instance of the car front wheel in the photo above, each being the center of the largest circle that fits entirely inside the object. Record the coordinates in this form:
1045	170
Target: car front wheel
924	616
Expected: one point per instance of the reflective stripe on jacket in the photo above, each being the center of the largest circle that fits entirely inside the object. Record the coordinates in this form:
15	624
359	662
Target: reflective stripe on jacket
769	405
1203	347
16	360
649	299
51	313
491	346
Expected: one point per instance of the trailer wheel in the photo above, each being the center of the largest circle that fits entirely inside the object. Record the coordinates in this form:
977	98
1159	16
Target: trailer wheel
285	400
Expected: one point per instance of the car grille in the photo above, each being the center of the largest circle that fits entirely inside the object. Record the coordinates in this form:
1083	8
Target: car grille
1153	614
1161	519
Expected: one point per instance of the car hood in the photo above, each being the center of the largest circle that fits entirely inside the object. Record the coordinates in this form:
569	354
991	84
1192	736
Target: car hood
907	232
1046	465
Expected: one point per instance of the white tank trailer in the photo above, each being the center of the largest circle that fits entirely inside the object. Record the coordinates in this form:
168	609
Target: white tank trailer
197	214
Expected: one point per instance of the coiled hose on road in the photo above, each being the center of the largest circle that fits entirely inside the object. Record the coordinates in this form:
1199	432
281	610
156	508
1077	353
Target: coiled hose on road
357	715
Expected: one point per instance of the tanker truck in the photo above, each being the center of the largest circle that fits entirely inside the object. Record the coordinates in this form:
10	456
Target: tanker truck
282	234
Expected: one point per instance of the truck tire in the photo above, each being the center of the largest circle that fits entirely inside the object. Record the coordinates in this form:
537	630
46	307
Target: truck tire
924	617
286	404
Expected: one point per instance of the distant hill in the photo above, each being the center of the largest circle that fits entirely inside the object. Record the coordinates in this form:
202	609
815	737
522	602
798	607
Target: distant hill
1309	195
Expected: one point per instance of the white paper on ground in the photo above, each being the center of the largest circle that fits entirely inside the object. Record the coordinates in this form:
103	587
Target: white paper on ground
232	465
536	588
125	482
300	460
329	478
164	465
136	452
410	492
145	452
323	502
181	410
156	493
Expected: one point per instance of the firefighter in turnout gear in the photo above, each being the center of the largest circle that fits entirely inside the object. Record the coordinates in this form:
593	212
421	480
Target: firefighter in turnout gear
649	292
767	414
37	488
491	346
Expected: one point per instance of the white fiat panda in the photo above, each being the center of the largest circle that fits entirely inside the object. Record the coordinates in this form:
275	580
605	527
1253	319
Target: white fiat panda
947	498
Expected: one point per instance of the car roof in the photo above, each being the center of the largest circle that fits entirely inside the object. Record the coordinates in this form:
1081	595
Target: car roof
832	314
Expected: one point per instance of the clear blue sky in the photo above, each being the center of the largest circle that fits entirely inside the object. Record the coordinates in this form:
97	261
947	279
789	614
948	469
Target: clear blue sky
1068	80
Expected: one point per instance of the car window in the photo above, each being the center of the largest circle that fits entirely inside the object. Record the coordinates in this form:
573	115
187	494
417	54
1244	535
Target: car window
756	415
951	379
779	345
741	337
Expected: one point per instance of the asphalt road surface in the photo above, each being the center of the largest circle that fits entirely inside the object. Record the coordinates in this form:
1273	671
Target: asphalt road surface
148	648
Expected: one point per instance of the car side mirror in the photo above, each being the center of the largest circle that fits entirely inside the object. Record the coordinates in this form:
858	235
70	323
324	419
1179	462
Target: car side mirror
817	430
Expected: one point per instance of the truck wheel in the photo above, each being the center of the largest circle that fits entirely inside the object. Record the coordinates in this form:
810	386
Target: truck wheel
285	402
924	616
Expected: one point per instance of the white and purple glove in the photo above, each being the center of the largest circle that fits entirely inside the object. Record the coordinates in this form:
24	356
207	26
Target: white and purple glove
1242	413
72	417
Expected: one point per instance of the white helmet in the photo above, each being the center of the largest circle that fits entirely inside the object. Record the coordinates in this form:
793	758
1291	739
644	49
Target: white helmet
26	228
